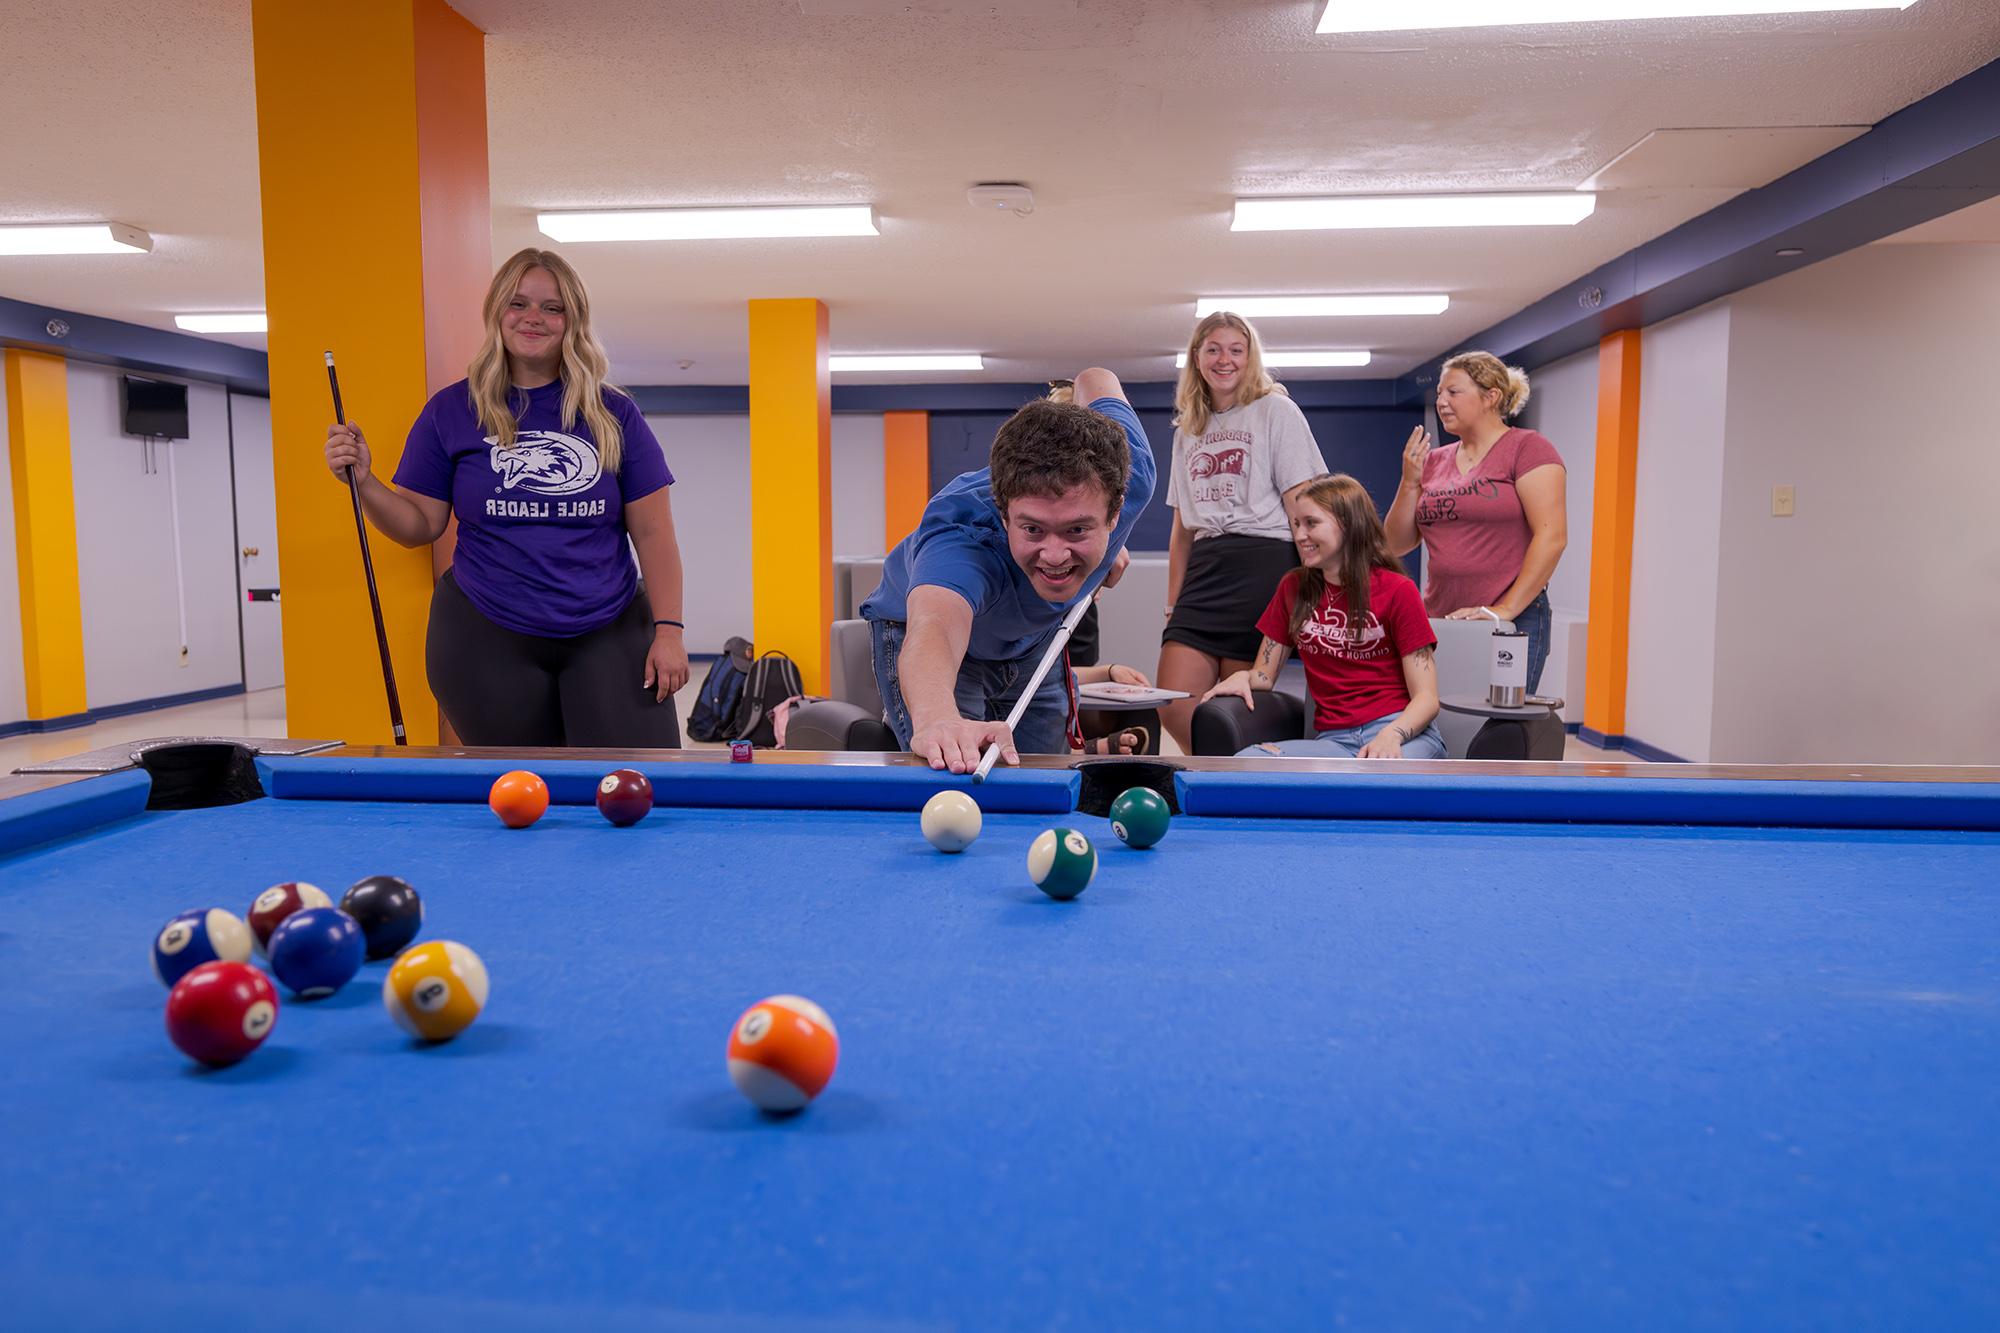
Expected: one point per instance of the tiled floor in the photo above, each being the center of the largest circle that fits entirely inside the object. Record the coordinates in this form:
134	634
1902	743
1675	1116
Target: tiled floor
263	714
259	714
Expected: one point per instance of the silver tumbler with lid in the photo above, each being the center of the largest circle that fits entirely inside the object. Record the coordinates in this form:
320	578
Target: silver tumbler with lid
1510	669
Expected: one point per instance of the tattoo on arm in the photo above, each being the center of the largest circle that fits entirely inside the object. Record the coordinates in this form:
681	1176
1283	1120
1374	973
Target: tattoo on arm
1267	664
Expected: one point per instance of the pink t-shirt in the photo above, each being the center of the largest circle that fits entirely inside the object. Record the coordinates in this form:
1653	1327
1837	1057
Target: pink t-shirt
1474	531
1353	672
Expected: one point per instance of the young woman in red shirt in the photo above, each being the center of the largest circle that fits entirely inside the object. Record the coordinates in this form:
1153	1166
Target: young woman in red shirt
1358	625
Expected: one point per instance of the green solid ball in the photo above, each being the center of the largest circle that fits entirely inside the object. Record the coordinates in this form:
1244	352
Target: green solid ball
1139	817
1062	862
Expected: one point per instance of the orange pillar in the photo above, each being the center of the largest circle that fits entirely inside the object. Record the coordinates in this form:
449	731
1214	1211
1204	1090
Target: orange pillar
377	246
1611	536
906	473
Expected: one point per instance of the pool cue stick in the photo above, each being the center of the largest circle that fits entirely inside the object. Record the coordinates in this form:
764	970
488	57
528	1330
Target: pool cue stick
368	568
1054	650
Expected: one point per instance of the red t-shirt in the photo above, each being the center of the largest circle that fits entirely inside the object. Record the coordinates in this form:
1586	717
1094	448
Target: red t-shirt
1474	530
1354	677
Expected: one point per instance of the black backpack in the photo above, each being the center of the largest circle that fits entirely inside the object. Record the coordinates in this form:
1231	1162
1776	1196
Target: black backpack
774	678
721	693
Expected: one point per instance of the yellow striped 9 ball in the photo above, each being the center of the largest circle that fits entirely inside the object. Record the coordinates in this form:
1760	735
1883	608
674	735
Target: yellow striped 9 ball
435	990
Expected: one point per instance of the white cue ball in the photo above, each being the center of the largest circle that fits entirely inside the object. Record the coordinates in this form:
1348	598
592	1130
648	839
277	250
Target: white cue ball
951	821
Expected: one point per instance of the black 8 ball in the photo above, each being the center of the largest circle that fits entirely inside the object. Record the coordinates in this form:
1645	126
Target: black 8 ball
388	910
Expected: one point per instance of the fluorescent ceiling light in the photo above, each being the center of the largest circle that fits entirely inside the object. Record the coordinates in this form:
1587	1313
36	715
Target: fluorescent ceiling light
1410	15
93	238
1272	307
253	321
1438	210
838	364
1298	359
709	224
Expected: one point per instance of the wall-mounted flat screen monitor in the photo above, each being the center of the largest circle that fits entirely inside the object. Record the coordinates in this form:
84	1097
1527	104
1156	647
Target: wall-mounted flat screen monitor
154	408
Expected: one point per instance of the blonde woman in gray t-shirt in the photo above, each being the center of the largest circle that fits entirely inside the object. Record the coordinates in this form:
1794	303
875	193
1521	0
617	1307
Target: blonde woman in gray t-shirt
1241	450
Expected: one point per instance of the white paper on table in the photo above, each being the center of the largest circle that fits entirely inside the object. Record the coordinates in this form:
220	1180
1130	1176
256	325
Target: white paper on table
1114	692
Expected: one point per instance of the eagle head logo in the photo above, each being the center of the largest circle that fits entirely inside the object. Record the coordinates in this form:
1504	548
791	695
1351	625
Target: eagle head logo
546	462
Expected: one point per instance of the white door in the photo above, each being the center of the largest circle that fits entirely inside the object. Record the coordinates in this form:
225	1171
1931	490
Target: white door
257	542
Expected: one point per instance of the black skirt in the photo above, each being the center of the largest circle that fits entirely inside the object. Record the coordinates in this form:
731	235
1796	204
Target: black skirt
1230	580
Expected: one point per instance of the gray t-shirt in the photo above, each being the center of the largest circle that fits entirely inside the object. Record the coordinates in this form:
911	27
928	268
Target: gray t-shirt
1233	477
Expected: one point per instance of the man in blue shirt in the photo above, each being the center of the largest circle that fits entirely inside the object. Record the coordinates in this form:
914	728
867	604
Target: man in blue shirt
970	600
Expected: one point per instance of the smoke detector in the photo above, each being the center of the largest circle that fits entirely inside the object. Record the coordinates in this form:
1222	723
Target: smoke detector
1002	196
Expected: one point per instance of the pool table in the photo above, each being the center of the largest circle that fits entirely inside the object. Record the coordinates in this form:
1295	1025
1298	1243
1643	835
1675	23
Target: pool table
1370	1045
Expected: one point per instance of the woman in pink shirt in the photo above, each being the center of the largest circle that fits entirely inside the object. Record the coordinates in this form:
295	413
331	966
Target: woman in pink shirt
1490	509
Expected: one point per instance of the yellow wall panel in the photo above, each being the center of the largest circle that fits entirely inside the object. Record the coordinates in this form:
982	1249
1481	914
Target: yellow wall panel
45	533
351	184
791	483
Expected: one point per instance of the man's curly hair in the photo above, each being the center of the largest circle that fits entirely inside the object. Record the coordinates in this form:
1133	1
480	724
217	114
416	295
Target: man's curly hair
1048	448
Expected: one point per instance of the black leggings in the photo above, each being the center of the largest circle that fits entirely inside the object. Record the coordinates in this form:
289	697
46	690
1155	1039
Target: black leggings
502	688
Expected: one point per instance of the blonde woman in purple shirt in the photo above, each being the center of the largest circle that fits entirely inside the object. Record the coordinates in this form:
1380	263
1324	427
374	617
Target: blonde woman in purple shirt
540	632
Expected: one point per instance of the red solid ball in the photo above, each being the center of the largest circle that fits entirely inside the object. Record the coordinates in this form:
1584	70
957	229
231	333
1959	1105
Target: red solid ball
624	796
220	1012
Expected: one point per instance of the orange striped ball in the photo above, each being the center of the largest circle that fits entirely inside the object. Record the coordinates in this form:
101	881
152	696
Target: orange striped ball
782	1052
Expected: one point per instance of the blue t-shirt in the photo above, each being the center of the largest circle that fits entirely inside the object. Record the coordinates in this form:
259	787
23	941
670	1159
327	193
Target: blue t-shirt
961	544
541	530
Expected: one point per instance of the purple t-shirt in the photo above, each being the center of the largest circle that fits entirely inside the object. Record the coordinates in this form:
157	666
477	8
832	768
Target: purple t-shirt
541	530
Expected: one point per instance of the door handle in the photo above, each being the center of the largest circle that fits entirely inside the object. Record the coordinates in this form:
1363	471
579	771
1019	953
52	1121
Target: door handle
249	551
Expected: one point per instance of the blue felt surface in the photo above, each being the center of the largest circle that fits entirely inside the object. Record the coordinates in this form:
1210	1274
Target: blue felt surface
771	786
1388	794
1271	1074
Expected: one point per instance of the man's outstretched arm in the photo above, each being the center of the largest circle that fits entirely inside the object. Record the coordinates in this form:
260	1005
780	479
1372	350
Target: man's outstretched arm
939	628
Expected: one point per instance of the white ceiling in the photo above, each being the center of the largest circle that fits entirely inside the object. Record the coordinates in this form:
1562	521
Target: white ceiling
1136	122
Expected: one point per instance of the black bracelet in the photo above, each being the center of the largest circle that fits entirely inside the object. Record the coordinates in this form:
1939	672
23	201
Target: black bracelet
675	623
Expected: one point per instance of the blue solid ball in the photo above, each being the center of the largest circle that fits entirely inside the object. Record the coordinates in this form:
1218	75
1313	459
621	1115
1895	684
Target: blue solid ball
317	951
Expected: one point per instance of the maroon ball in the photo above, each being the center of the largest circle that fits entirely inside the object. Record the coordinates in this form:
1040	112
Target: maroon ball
220	1012
624	797
276	903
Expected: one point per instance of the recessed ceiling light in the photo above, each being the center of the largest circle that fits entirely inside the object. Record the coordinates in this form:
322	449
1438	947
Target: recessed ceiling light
254	321
1411	15
1356	212
1300	359
861	363
1790	252
1272	307
709	224
92	238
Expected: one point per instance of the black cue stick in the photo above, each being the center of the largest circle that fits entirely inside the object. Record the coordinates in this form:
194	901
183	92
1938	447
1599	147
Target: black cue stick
368	568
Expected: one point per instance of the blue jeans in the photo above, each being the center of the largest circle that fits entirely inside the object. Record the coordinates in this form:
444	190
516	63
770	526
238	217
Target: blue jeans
986	692
1536	622
1346	743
